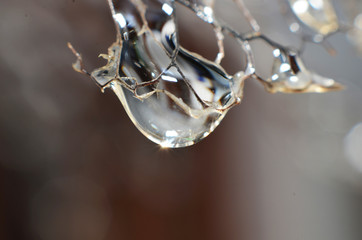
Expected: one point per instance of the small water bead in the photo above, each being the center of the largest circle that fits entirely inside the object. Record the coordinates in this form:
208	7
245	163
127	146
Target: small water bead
289	74
318	15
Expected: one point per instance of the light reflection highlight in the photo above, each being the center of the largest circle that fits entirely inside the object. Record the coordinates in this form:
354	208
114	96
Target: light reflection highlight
353	147
300	6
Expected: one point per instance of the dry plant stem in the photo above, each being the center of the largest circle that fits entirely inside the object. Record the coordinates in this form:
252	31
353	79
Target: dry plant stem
79	66
247	14
220	43
113	12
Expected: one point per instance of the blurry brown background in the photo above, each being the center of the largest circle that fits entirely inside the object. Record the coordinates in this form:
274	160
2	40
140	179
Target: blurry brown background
72	165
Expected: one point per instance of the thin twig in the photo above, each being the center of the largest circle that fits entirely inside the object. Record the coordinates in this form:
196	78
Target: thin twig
249	17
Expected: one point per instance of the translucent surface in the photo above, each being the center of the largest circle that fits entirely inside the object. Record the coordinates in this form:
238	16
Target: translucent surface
319	15
176	97
290	75
355	32
173	96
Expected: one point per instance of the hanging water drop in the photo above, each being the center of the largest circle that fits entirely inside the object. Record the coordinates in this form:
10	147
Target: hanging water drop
290	75
173	96
318	15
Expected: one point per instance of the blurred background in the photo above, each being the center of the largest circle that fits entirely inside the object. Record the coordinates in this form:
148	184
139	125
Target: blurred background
73	166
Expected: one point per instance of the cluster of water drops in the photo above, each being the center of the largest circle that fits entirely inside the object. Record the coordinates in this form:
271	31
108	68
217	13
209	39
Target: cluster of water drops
176	97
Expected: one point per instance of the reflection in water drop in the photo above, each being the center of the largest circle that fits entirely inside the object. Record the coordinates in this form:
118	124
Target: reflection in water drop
290	75
318	15
173	96
355	32
176	97
353	147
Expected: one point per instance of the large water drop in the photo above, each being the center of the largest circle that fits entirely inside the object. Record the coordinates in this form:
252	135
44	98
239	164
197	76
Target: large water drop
173	96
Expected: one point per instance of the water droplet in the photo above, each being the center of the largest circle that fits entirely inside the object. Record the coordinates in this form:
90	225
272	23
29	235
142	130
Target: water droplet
318	15
290	75
294	27
173	96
